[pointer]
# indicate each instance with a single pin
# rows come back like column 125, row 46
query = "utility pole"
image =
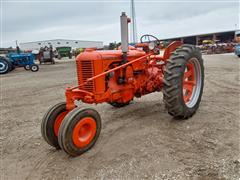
column 133, row 24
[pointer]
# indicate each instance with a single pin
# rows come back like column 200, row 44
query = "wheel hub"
column 192, row 82
column 2, row 66
column 84, row 132
column 34, row 68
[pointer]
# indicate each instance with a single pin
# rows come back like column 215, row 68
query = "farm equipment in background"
column 237, row 46
column 64, row 52
column 208, row 46
column 13, row 60
column 237, row 50
column 46, row 55
column 116, row 77
column 77, row 51
column 25, row 60
column 216, row 47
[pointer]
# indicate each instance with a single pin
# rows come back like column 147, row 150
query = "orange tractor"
column 116, row 77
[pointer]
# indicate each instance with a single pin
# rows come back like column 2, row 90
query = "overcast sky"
column 99, row 20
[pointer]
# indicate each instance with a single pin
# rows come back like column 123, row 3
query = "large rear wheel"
column 5, row 65
column 79, row 131
column 183, row 82
column 51, row 123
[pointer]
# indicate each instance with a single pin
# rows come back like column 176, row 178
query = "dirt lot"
column 140, row 141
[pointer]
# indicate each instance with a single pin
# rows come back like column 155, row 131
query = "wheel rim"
column 34, row 68
column 84, row 132
column 58, row 122
column 3, row 66
column 192, row 82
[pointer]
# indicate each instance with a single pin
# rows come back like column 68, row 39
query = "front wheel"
column 34, row 68
column 27, row 67
column 51, row 123
column 79, row 131
column 183, row 82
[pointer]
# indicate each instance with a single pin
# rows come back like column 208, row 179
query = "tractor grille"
column 85, row 71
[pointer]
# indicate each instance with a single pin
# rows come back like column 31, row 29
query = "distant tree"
column 118, row 44
column 113, row 45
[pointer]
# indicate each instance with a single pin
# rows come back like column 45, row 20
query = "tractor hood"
column 90, row 54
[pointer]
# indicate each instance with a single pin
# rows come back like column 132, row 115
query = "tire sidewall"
column 67, row 126
column 48, row 122
column 34, row 66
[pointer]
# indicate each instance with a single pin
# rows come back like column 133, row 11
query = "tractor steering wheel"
column 148, row 36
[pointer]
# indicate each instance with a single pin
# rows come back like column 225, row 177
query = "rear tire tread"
column 173, row 74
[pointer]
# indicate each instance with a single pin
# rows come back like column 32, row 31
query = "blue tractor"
column 237, row 39
column 237, row 50
column 18, row 59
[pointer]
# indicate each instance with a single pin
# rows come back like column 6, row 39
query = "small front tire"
column 51, row 123
column 79, row 131
column 34, row 68
column 27, row 67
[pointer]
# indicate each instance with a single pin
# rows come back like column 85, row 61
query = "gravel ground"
column 140, row 141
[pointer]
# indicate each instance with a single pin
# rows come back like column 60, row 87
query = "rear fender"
column 170, row 48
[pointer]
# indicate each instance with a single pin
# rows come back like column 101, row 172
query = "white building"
column 60, row 43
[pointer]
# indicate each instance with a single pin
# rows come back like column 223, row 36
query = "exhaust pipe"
column 124, row 44
column 124, row 32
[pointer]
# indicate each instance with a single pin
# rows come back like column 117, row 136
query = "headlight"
column 151, row 45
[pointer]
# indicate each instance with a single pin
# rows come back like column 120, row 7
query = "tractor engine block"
column 122, row 85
